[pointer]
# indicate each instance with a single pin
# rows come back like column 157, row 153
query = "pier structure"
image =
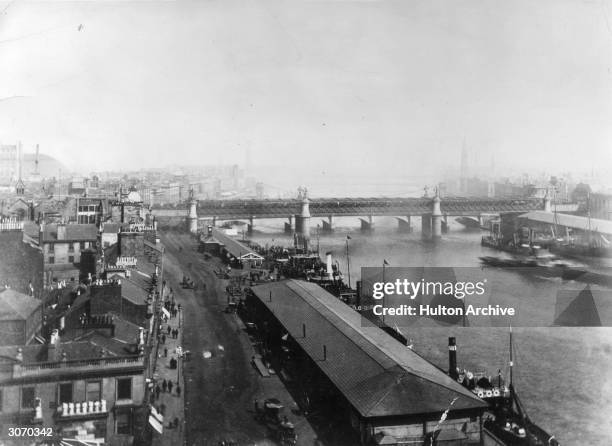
column 433, row 211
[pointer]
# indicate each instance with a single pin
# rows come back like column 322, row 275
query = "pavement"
column 222, row 386
column 171, row 403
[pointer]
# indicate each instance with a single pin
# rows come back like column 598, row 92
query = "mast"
column 511, row 361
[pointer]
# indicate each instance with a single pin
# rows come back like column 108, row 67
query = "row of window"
column 51, row 260
column 88, row 208
column 65, row 393
column 71, row 246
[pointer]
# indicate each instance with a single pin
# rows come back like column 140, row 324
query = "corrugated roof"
column 15, row 305
column 377, row 374
column 571, row 221
column 233, row 246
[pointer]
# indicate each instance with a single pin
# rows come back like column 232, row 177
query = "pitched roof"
column 15, row 305
column 131, row 290
column 234, row 247
column 378, row 375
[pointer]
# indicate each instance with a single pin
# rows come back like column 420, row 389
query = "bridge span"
column 364, row 208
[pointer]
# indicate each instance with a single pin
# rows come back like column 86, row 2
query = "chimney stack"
column 452, row 358
column 52, row 352
column 61, row 231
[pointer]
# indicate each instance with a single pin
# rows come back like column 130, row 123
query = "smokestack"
column 452, row 358
column 304, row 330
column 330, row 270
column 325, row 353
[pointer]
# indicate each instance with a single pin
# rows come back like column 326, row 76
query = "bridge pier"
column 436, row 219
column 367, row 225
column 445, row 227
column 289, row 226
column 250, row 226
column 426, row 226
column 404, row 225
column 302, row 222
column 327, row 226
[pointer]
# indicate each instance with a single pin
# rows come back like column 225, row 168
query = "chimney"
column 452, row 358
column 41, row 232
column 61, row 231
column 53, row 347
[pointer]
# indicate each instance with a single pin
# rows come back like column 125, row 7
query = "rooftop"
column 76, row 232
column 571, row 221
column 233, row 246
column 378, row 375
column 15, row 305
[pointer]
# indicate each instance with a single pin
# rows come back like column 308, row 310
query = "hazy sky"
column 356, row 84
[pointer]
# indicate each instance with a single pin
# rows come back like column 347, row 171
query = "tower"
column 192, row 217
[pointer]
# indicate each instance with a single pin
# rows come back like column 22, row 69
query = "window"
column 124, row 423
column 124, row 388
column 70, row 259
column 82, row 245
column 93, row 391
column 51, row 247
column 64, row 393
column 70, row 247
column 51, row 259
column 27, row 398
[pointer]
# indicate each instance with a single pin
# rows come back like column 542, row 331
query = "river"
column 562, row 374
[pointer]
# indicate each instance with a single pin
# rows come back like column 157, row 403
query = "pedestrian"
column 165, row 352
column 168, row 330
column 178, row 389
column 157, row 391
column 256, row 404
column 163, row 339
column 170, row 385
column 165, row 385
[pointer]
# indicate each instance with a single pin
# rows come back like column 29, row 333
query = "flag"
column 385, row 263
column 156, row 420
column 165, row 312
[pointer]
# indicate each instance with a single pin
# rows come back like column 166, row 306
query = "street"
column 220, row 390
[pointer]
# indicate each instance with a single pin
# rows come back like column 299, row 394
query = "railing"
column 78, row 409
column 92, row 364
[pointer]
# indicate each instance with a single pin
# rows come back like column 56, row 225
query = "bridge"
column 364, row 208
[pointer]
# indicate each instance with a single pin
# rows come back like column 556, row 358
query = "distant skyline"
column 379, row 87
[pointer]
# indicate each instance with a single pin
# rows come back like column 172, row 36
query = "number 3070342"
column 30, row 431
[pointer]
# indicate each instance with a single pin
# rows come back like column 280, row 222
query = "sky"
column 380, row 87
